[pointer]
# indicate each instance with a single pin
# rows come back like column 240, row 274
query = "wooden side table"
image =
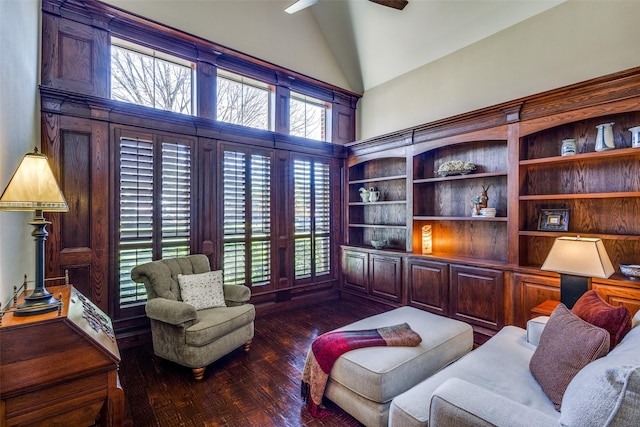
column 544, row 308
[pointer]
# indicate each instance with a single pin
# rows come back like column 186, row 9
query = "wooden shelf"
column 377, row 179
column 460, row 218
column 619, row 194
column 621, row 152
column 378, row 226
column 458, row 177
column 555, row 234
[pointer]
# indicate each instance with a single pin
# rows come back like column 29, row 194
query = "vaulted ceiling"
column 374, row 44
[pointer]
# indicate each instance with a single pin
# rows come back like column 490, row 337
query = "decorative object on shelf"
column 553, row 220
column 374, row 195
column 33, row 187
column 455, row 167
column 632, row 271
column 635, row 136
column 380, row 244
column 480, row 202
column 569, row 147
column 364, row 194
column 577, row 260
column 488, row 212
column 427, row 239
column 604, row 138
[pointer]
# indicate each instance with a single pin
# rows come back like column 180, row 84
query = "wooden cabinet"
column 386, row 217
column 428, row 285
column 60, row 368
column 477, row 296
column 371, row 273
column 530, row 290
column 622, row 294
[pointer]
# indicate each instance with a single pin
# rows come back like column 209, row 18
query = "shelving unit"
column 385, row 218
column 601, row 190
column 445, row 202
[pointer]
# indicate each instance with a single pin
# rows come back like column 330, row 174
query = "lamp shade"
column 33, row 187
column 579, row 257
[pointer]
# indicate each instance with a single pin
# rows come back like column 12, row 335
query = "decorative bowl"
column 455, row 167
column 630, row 270
column 379, row 244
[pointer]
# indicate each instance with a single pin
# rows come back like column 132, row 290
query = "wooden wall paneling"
column 79, row 242
column 385, row 276
column 282, row 240
column 282, row 105
column 207, row 201
column 428, row 285
column 343, row 120
column 619, row 295
column 477, row 296
column 75, row 56
column 207, row 90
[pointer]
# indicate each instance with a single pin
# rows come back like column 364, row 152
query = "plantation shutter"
column 302, row 214
column 176, row 199
column 322, row 217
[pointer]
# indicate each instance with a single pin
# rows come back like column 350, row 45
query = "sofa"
column 494, row 385
column 189, row 328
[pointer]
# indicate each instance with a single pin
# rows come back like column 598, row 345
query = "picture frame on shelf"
column 553, row 220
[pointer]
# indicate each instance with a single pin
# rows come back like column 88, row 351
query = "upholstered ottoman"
column 364, row 381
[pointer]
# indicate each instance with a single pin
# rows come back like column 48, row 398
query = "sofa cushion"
column 214, row 323
column 202, row 290
column 607, row 391
column 567, row 344
column 593, row 309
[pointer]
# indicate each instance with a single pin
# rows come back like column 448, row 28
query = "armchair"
column 184, row 335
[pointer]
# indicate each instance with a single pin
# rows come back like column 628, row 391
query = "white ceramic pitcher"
column 604, row 138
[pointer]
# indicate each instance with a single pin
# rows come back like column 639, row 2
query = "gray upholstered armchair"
column 184, row 335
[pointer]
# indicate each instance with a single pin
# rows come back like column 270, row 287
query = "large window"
column 145, row 77
column 246, row 211
column 312, row 211
column 155, row 207
column 243, row 101
column 308, row 117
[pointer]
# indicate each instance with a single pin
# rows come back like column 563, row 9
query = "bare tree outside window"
column 242, row 104
column 307, row 119
column 147, row 80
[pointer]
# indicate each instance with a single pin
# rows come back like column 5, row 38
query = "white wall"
column 572, row 42
column 253, row 27
column 19, row 130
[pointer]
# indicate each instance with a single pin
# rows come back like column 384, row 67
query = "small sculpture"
column 480, row 201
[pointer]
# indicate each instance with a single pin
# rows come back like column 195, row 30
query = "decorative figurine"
column 480, row 201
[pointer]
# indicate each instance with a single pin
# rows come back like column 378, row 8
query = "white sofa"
column 493, row 385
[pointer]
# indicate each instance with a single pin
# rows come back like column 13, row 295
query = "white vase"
column 604, row 138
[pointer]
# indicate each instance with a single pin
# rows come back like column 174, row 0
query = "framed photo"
column 553, row 220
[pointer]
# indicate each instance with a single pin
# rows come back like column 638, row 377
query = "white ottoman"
column 364, row 381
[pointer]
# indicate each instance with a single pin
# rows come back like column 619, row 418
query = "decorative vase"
column 364, row 194
column 569, row 147
column 374, row 195
column 635, row 136
column 604, row 138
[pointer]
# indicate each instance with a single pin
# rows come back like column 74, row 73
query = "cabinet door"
column 617, row 295
column 477, row 296
column 531, row 290
column 355, row 270
column 428, row 285
column 386, row 276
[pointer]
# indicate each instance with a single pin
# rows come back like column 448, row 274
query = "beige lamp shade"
column 579, row 256
column 33, row 187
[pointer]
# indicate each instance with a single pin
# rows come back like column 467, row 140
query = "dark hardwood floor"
column 259, row 388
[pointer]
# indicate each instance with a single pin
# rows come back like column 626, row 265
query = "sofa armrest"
column 172, row 312
column 460, row 403
column 236, row 294
column 534, row 329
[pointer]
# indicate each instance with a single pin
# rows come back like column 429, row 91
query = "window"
column 312, row 211
column 145, row 77
column 243, row 101
column 246, row 182
column 308, row 117
column 155, row 207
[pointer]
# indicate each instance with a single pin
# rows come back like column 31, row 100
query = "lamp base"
column 572, row 288
column 37, row 303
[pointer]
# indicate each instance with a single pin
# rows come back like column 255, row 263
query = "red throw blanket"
column 326, row 349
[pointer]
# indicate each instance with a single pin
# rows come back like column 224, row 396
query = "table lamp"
column 577, row 259
column 34, row 188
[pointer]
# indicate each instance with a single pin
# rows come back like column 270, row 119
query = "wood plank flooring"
column 259, row 388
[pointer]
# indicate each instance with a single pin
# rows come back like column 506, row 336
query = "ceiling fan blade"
column 299, row 5
column 396, row 4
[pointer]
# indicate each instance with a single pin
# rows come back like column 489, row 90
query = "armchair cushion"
column 202, row 290
column 567, row 344
column 214, row 323
column 171, row 312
